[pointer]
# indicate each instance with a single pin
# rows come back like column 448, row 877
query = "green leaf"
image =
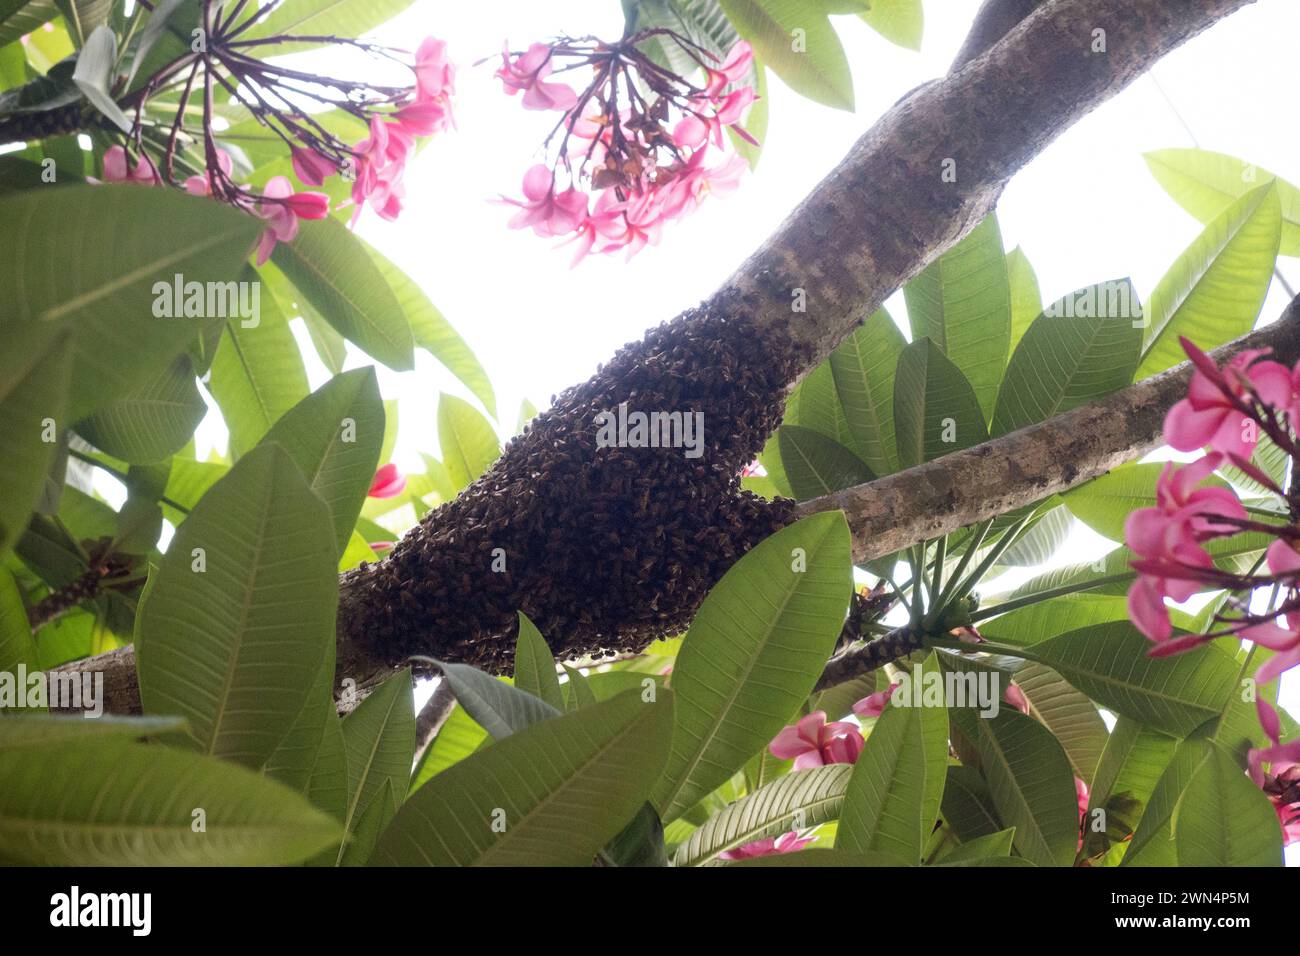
column 173, row 40
column 153, row 30
column 348, row 18
column 24, row 16
column 577, row 689
column 962, row 302
column 550, row 795
column 1153, row 843
column 369, row 826
column 45, row 730
column 527, row 412
column 1205, row 183
column 297, row 757
column 469, row 443
column 1131, row 764
column 16, row 643
column 151, row 421
column 257, row 375
column 1105, row 503
column 1071, row 356
column 459, row 737
column 379, row 739
column 982, row 848
column 795, row 38
column 935, row 408
column 1214, row 290
column 968, row 805
column 897, row 786
column 51, row 91
column 433, row 333
column 110, row 802
column 82, row 17
column 797, row 800
column 1224, row 820
column 1026, row 300
column 263, row 146
column 34, row 384
column 816, row 465
column 815, row 404
column 1113, row 573
column 898, row 21
column 640, row 843
column 106, row 292
column 340, row 280
column 327, row 787
column 333, row 436
column 94, row 76
column 863, row 368
column 753, row 653
column 260, row 615
column 1109, row 663
column 1070, row 716
column 496, row 706
column 1041, row 539
column 534, row 665
column 1030, row 783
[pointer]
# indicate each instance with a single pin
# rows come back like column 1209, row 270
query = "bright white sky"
column 1085, row 210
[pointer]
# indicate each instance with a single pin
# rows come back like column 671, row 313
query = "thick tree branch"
column 1026, row 466
column 888, row 210
column 995, row 19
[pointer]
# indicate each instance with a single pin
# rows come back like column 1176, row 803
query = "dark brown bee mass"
column 605, row 548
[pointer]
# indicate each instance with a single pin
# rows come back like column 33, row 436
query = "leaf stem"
column 1038, row 597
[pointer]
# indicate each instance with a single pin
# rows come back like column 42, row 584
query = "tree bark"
column 1028, row 465
column 888, row 209
column 885, row 213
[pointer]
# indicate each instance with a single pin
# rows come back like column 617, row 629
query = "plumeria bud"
column 873, row 705
column 309, row 205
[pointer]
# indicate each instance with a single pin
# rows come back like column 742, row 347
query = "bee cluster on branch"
column 605, row 548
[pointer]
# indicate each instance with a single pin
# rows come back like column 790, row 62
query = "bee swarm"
column 605, row 549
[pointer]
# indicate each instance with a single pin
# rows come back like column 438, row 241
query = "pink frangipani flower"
column 812, row 742
column 1170, row 534
column 282, row 208
column 786, row 843
column 528, row 73
column 545, row 211
column 118, row 168
column 387, row 483
column 1208, row 415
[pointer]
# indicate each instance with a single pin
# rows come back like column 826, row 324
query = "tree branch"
column 1026, row 466
column 995, row 19
column 887, row 210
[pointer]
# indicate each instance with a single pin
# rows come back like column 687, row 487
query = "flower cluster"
column 273, row 95
column 636, row 145
column 1226, row 411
